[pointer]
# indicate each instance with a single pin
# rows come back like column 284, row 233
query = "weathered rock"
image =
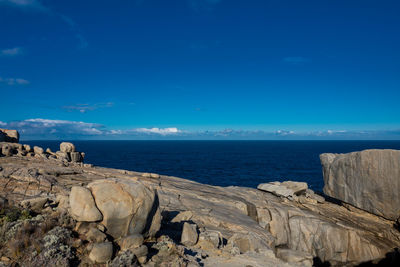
column 101, row 252
column 131, row 241
column 38, row 150
column 11, row 136
column 27, row 148
column 6, row 149
column 140, row 251
column 67, row 147
column 210, row 238
column 63, row 156
column 48, row 150
column 35, row 204
column 276, row 189
column 297, row 187
column 95, row 235
column 295, row 256
column 368, row 180
column 76, row 157
column 189, row 235
column 125, row 259
column 127, row 206
column 83, row 207
column 246, row 243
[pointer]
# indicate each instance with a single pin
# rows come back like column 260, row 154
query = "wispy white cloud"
column 63, row 129
column 296, row 60
column 13, row 81
column 11, row 52
column 161, row 131
column 83, row 108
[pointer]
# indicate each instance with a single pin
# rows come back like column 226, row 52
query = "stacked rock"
column 126, row 211
column 67, row 152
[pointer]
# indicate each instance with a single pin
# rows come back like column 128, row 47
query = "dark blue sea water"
column 223, row 163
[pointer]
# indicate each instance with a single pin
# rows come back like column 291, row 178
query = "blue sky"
column 200, row 69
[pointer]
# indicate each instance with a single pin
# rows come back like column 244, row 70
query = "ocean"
column 222, row 163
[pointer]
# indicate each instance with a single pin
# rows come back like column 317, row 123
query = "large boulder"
column 11, row 136
column 128, row 207
column 369, row 180
column 83, row 207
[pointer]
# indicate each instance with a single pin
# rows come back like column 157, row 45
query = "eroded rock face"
column 369, row 180
column 128, row 207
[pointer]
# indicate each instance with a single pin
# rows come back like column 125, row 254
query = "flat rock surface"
column 246, row 218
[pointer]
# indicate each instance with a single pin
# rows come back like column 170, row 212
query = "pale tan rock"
column 140, row 251
column 67, row 147
column 38, row 150
column 63, row 156
column 131, row 241
column 83, row 207
column 101, row 252
column 95, row 235
column 126, row 206
column 295, row 256
column 368, row 180
column 210, row 238
column 11, row 136
column 27, row 148
column 189, row 235
column 35, row 204
column 297, row 187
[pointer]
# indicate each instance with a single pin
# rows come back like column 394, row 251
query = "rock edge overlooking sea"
column 58, row 211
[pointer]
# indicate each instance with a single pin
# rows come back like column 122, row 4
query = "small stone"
column 214, row 238
column 154, row 175
column 27, row 148
column 101, row 252
column 140, row 251
column 95, row 235
column 146, row 174
column 189, row 234
column 131, row 241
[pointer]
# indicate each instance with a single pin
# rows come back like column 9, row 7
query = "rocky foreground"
column 60, row 212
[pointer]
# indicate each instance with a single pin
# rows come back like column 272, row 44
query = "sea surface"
column 222, row 163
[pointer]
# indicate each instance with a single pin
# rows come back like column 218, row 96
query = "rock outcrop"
column 369, row 180
column 11, row 136
column 91, row 215
column 68, row 154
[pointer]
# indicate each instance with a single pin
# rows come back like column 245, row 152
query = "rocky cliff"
column 59, row 212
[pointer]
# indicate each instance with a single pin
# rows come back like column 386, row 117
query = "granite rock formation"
column 369, row 180
column 11, row 136
column 154, row 220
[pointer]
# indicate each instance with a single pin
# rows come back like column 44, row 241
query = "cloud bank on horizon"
column 46, row 129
